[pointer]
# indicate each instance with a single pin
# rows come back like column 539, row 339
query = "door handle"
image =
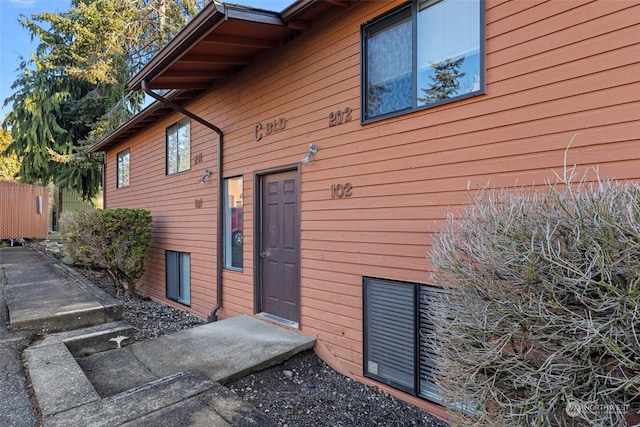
column 262, row 254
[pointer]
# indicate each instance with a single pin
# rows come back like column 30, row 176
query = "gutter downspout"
column 213, row 316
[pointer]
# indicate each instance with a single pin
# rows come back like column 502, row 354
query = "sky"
column 15, row 40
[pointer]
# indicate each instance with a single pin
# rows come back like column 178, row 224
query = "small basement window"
column 399, row 336
column 178, row 276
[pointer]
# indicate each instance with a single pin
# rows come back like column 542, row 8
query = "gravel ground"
column 303, row 391
column 148, row 318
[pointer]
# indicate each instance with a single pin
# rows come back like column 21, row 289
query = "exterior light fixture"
column 313, row 149
column 207, row 174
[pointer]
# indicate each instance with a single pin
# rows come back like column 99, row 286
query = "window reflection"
column 233, row 232
column 422, row 54
column 123, row 168
column 179, row 147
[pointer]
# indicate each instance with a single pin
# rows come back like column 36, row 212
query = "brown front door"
column 279, row 248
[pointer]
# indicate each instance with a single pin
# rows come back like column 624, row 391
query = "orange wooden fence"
column 23, row 210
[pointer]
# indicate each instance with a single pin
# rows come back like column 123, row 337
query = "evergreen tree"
column 73, row 89
column 445, row 81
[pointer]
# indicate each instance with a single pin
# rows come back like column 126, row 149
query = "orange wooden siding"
column 556, row 73
column 23, row 210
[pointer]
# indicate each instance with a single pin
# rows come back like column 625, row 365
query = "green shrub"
column 117, row 240
column 541, row 319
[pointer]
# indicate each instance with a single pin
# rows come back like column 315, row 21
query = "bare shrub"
column 541, row 319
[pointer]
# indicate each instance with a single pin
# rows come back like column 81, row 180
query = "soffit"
column 150, row 114
column 219, row 42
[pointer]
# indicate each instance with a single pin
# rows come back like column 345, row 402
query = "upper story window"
column 424, row 53
column 123, row 168
column 179, row 147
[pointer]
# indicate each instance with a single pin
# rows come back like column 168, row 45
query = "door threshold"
column 278, row 319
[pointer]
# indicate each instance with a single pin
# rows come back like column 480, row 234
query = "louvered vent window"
column 428, row 344
column 399, row 336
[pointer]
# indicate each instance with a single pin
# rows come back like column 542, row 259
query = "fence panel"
column 23, row 210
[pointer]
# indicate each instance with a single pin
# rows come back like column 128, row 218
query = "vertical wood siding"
column 19, row 215
column 561, row 79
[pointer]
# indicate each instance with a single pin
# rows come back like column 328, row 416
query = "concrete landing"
column 42, row 295
column 224, row 351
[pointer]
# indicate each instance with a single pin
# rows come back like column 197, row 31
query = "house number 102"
column 338, row 191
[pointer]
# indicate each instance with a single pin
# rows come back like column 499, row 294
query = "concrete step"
column 186, row 398
column 94, row 339
column 59, row 382
column 114, row 371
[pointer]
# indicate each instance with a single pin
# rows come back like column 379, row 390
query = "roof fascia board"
column 292, row 11
column 202, row 24
column 206, row 21
column 147, row 111
column 253, row 15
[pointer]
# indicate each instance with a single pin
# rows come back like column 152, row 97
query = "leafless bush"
column 541, row 320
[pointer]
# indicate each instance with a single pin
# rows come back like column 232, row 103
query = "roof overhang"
column 220, row 41
column 138, row 122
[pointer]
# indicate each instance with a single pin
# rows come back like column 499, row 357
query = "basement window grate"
column 399, row 336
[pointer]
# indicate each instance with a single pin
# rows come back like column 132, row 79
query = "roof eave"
column 202, row 24
column 293, row 10
column 115, row 135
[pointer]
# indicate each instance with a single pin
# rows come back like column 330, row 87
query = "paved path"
column 173, row 380
column 42, row 294
column 16, row 409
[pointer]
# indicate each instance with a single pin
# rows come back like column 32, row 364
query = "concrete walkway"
column 93, row 373
column 43, row 295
